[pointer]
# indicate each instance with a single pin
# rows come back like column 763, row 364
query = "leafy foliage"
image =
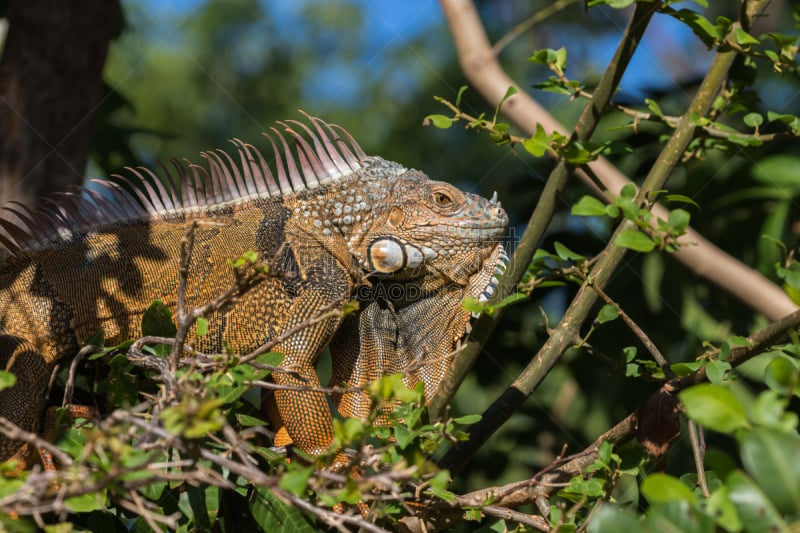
column 185, row 449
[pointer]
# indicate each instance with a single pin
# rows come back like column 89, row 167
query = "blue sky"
column 665, row 49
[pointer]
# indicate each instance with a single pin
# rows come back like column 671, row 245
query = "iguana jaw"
column 483, row 284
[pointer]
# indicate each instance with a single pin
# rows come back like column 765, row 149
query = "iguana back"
column 333, row 222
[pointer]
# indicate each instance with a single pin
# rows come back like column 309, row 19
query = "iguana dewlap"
column 337, row 224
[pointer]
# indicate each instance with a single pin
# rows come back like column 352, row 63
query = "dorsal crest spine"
column 322, row 153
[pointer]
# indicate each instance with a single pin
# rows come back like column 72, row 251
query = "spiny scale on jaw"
column 498, row 263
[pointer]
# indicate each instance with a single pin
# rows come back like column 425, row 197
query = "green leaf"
column 608, row 313
column 616, row 4
column 439, row 121
column 511, row 91
column 654, row 107
column 272, row 514
column 715, row 371
column 753, row 120
column 745, row 39
column 296, row 481
column 714, row 407
column 661, row 488
column 589, row 206
column 566, row 254
column 466, row 420
column 7, row 379
column 250, row 421
column 756, row 512
column 707, row 32
column 723, row 510
column 782, row 374
column 677, row 517
column 538, row 144
column 93, row 501
column 680, row 198
column 628, row 191
column 772, row 458
column 635, row 240
column 678, row 220
column 157, row 321
column 202, row 327
column 460, row 94
column 613, row 519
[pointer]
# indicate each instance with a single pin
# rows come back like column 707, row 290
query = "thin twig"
column 633, row 326
column 527, row 24
column 73, row 369
column 14, row 432
column 697, row 453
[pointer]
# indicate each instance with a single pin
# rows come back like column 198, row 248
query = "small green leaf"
column 202, row 327
column 466, row 420
column 7, row 379
column 460, row 94
column 157, row 321
column 628, row 191
column 654, row 107
column 511, row 91
column 85, row 503
column 678, row 220
column 439, row 121
column 589, row 206
column 608, row 313
column 630, row 353
column 680, row 198
column 714, row 407
column 715, row 371
column 635, row 240
column 349, row 307
column 754, row 120
column 616, row 4
column 296, row 481
column 538, row 144
column 566, row 254
column 744, row 38
column 663, row 488
column 98, row 338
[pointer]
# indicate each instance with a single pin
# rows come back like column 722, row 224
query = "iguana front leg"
column 304, row 414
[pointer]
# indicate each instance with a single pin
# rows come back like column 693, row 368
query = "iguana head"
column 419, row 226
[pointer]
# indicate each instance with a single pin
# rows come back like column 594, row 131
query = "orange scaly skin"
column 337, row 226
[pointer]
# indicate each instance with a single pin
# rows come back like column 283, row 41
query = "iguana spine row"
column 338, row 224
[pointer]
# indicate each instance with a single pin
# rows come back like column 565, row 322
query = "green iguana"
column 338, row 224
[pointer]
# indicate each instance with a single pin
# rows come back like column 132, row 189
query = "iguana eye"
column 442, row 200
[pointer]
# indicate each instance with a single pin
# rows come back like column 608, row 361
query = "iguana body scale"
column 336, row 224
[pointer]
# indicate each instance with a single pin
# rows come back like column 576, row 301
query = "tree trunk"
column 50, row 80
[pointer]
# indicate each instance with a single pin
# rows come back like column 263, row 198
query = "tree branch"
column 546, row 206
column 482, row 69
column 606, row 263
